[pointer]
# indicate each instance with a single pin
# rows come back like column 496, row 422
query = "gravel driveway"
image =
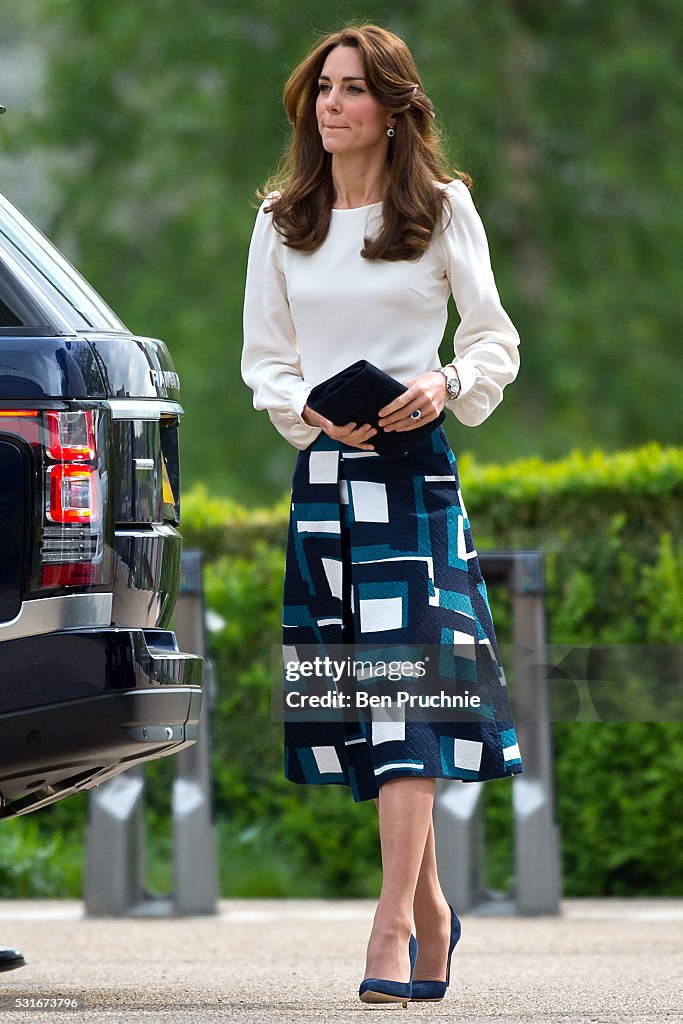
column 604, row 961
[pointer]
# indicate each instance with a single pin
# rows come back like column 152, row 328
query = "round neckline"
column 355, row 209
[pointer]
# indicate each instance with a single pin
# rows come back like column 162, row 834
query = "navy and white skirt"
column 380, row 556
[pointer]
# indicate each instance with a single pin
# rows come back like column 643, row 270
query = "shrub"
column 609, row 528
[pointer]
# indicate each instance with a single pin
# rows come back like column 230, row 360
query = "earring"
column 391, row 132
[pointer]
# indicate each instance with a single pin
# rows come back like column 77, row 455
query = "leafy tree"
column 162, row 118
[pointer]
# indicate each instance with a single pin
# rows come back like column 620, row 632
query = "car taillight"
column 70, row 436
column 73, row 494
column 68, row 539
column 71, row 549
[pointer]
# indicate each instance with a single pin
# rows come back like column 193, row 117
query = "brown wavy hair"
column 413, row 203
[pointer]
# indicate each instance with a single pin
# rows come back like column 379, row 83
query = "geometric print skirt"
column 380, row 556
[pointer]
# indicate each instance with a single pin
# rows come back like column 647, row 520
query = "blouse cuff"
column 299, row 399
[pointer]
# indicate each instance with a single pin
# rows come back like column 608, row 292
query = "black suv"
column 91, row 679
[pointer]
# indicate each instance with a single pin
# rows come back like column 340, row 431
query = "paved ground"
column 601, row 962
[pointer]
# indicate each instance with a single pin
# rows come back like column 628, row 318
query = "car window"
column 18, row 312
column 53, row 274
column 8, row 318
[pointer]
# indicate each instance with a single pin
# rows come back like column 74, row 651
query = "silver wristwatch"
column 453, row 385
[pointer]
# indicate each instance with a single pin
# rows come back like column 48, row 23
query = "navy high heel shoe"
column 428, row 991
column 378, row 990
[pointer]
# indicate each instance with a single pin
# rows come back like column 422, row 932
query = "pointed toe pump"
column 378, row 990
column 432, row 991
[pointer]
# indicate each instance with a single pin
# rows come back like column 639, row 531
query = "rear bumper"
column 78, row 707
column 84, row 663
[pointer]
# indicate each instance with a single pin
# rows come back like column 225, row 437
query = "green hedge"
column 610, row 530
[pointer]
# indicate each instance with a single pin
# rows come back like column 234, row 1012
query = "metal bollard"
column 194, row 848
column 458, row 811
column 115, row 870
column 115, row 873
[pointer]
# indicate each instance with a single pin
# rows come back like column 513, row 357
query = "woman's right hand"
column 350, row 433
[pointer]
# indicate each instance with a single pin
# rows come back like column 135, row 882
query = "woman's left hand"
column 426, row 393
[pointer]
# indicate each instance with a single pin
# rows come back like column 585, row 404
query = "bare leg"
column 432, row 918
column 405, row 813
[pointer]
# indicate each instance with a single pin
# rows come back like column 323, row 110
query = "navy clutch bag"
column 356, row 394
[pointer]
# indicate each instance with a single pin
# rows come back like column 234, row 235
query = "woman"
column 354, row 255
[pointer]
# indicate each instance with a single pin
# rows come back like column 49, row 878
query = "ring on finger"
column 416, row 414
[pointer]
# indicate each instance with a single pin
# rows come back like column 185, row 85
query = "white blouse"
column 309, row 315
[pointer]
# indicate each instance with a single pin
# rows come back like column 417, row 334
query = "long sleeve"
column 486, row 342
column 271, row 364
